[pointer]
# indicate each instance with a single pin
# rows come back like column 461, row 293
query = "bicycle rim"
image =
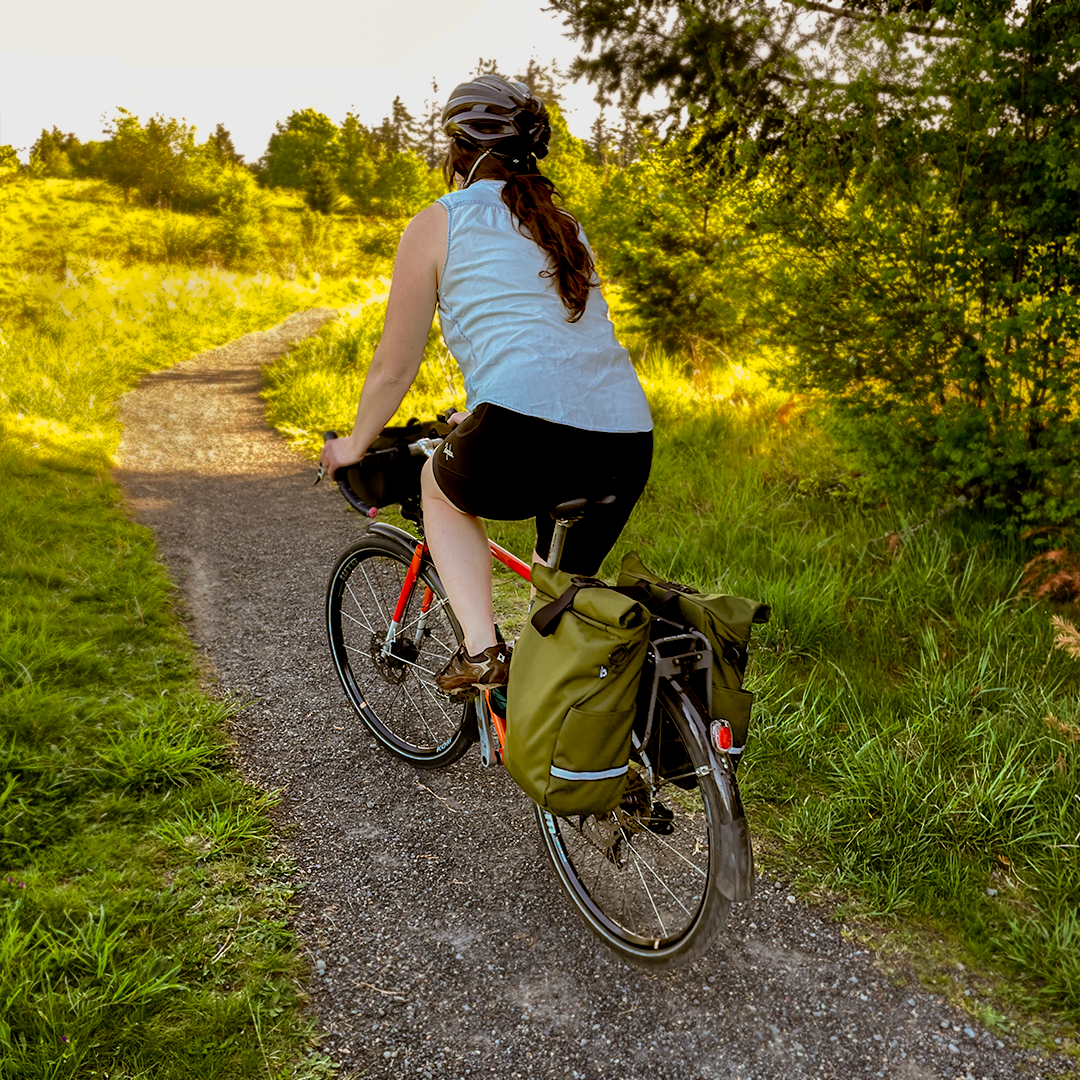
column 644, row 876
column 389, row 684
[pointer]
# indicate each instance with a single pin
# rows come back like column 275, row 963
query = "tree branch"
column 862, row 16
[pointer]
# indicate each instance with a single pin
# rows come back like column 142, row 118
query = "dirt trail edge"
column 439, row 945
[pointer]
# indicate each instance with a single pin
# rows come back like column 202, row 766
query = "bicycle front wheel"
column 644, row 876
column 387, row 669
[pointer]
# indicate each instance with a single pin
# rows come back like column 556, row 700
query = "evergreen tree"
column 544, row 80
column 399, row 130
column 49, row 156
column 322, row 192
column 432, row 144
column 220, row 146
column 357, row 173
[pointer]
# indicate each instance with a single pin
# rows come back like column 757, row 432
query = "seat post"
column 558, row 539
column 564, row 515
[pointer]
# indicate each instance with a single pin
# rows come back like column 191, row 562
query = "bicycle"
column 655, row 878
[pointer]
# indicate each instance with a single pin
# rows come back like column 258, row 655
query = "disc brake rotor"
column 395, row 667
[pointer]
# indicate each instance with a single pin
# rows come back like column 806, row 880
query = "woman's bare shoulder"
column 423, row 243
column 431, row 217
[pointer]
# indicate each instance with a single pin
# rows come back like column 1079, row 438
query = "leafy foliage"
column 305, row 138
column 936, row 258
column 321, row 192
column 153, row 159
column 672, row 235
column 914, row 181
column 49, row 156
column 379, row 170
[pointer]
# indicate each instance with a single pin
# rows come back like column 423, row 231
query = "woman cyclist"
column 555, row 408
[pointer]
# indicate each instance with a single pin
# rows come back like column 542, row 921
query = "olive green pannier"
column 572, row 695
column 726, row 622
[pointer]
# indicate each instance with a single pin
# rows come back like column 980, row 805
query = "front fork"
column 403, row 602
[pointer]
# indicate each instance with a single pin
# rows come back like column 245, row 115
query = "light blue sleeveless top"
column 507, row 328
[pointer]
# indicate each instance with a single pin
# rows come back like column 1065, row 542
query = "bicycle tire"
column 392, row 691
column 644, row 877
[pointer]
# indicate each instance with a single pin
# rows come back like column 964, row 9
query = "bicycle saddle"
column 575, row 509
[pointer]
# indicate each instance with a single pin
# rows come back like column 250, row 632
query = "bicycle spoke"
column 351, row 619
column 663, row 884
column 675, row 851
column 648, row 893
column 374, row 593
column 420, row 712
column 431, row 613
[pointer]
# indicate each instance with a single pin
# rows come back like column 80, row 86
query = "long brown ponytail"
column 530, row 198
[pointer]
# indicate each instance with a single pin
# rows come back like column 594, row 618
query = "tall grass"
column 54, row 225
column 317, row 385
column 141, row 916
column 916, row 743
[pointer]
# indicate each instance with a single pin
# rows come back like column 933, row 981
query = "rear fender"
column 735, row 871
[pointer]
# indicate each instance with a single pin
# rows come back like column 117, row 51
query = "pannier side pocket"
column 587, row 737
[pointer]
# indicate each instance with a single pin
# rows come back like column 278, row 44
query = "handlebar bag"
column 725, row 621
column 381, row 479
column 571, row 698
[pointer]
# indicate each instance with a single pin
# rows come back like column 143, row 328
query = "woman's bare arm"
column 409, row 311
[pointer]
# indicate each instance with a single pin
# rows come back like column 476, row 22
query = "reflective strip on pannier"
column 606, row 774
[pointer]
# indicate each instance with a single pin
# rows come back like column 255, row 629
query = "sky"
column 248, row 65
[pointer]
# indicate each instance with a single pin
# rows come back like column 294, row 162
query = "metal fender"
column 735, row 875
column 392, row 532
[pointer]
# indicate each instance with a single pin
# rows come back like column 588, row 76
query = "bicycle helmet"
column 499, row 115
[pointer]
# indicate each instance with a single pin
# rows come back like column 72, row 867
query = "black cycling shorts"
column 503, row 465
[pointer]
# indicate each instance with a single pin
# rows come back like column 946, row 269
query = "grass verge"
column 142, row 906
column 141, row 914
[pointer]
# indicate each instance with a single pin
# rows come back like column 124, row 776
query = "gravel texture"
column 439, row 945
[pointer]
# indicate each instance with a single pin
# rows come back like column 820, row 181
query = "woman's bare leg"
column 460, row 549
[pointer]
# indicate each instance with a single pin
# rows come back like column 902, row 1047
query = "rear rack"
column 675, row 651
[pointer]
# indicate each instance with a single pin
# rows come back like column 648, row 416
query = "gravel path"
column 438, row 943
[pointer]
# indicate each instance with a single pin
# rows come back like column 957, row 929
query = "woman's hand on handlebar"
column 455, row 418
column 338, row 454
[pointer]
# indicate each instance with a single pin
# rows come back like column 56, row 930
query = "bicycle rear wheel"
column 644, row 876
column 388, row 680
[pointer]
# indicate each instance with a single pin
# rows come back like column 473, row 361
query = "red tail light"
column 721, row 735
